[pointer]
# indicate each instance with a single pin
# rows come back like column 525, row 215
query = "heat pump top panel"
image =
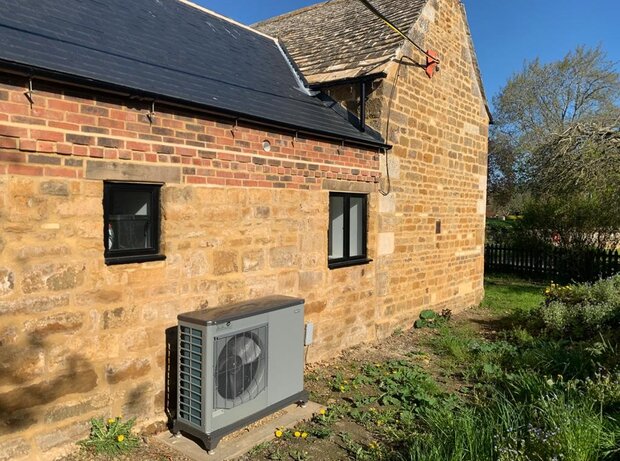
column 239, row 310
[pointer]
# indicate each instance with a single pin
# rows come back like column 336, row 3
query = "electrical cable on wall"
column 387, row 125
column 432, row 63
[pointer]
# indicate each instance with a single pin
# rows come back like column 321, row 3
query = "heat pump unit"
column 237, row 364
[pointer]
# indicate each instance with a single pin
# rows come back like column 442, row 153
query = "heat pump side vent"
column 191, row 375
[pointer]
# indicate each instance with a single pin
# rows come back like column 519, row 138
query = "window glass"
column 347, row 229
column 129, row 220
column 356, row 226
column 336, row 226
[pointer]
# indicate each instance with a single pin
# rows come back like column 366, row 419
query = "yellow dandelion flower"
column 322, row 411
column 111, row 420
column 279, row 433
column 297, row 434
column 380, row 422
column 120, row 438
column 304, row 435
column 373, row 445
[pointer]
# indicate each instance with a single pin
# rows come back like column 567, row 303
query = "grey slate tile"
column 169, row 49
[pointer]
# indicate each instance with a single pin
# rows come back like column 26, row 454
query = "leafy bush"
column 499, row 231
column 579, row 221
column 111, row 438
column 581, row 310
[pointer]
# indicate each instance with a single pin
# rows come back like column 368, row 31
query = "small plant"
column 339, row 383
column 321, row 432
column 276, row 454
column 111, row 438
column 257, row 449
column 431, row 319
column 299, row 455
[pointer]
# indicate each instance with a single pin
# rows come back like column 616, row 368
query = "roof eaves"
column 136, row 93
column 350, row 80
column 352, row 118
column 474, row 58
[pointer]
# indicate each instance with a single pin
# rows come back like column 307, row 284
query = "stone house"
column 156, row 158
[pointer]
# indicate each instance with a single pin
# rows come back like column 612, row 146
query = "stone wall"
column 435, row 175
column 431, row 224
column 79, row 338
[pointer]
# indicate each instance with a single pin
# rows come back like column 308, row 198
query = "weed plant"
column 112, row 437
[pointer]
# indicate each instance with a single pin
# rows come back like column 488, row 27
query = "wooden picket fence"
column 551, row 263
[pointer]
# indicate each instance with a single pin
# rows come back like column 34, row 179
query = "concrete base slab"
column 239, row 443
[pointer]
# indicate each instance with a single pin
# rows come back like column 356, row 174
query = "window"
column 347, row 229
column 131, row 222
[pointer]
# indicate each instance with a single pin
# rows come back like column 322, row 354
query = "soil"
column 410, row 344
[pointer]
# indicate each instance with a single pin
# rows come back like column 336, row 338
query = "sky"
column 507, row 33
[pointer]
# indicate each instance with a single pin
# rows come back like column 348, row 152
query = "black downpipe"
column 363, row 106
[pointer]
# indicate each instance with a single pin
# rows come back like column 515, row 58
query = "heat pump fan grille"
column 190, row 380
column 240, row 367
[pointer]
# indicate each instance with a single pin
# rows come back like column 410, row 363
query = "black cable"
column 387, row 126
column 377, row 13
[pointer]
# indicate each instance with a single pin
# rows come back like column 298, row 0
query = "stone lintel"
column 118, row 171
column 348, row 186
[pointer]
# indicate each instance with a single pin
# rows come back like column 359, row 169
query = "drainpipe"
column 363, row 105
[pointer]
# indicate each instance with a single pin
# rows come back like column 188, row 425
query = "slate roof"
column 171, row 50
column 341, row 39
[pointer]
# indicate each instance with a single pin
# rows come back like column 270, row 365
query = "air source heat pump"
column 237, row 364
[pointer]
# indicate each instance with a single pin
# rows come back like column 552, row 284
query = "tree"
column 584, row 158
column 545, row 99
column 557, row 136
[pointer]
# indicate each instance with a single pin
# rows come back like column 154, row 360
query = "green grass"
column 530, row 399
column 509, row 295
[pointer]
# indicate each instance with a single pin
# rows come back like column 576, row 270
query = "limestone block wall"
column 433, row 218
column 431, row 211
column 79, row 338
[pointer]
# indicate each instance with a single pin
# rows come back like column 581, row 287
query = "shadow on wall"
column 20, row 365
column 170, row 397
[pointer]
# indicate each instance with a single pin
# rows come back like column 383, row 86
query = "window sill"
column 115, row 260
column 349, row 262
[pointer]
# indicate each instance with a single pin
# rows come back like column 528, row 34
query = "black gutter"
column 132, row 93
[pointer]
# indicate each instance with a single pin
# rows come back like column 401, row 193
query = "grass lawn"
column 509, row 295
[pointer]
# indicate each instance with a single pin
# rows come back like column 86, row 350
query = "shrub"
column 581, row 310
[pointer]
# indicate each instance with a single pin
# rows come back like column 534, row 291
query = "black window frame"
column 137, row 255
column 348, row 260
